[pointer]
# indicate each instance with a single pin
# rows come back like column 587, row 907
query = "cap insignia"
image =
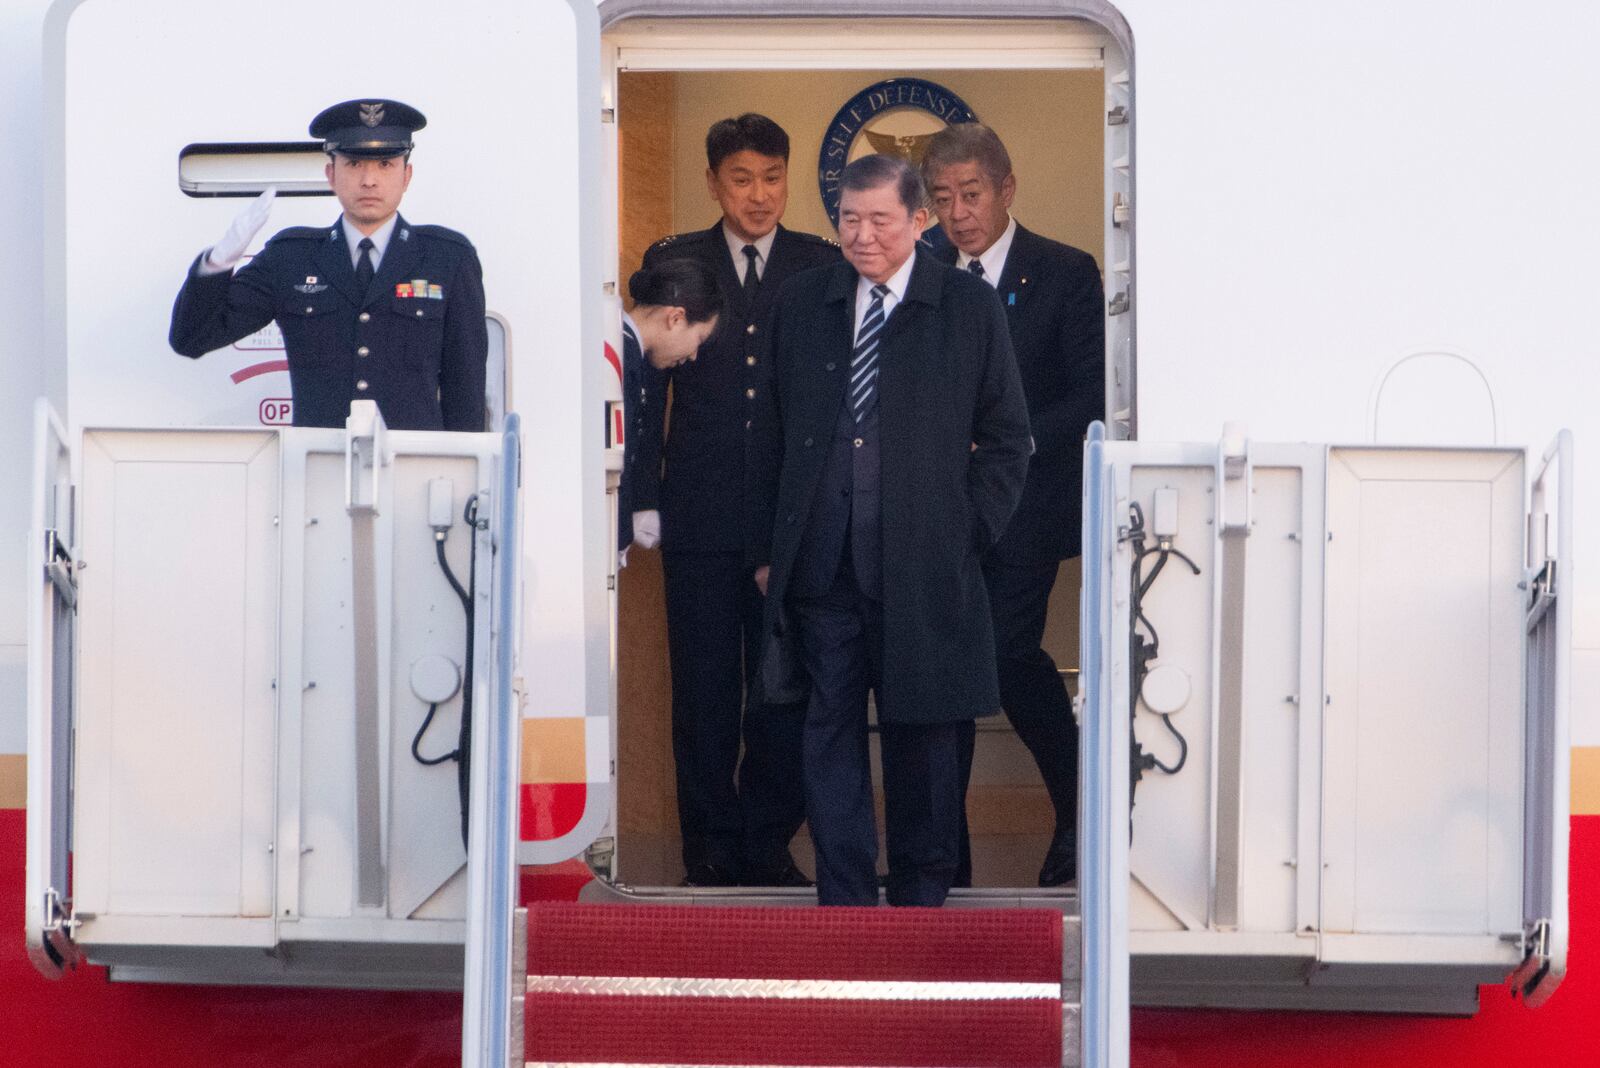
column 372, row 114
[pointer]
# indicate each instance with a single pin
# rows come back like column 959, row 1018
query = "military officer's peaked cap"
column 368, row 129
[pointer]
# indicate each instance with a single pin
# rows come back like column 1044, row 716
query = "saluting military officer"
column 371, row 307
column 730, row 834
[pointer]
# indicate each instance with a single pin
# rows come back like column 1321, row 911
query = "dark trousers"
column 841, row 641
column 1031, row 692
column 713, row 633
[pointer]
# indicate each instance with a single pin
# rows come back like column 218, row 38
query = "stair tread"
column 917, row 945
column 573, row 1028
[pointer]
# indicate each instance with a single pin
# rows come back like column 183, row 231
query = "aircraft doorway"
column 1052, row 116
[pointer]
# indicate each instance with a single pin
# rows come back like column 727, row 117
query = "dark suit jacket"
column 424, row 357
column 1056, row 310
column 700, row 490
column 947, row 381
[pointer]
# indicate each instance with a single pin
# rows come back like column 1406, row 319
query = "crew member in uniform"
column 731, row 833
column 372, row 307
column 1055, row 310
column 887, row 460
column 676, row 304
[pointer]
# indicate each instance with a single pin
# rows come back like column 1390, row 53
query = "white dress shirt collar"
column 897, row 284
column 380, row 239
column 736, row 246
column 993, row 258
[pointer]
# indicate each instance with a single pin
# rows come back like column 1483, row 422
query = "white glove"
column 647, row 529
column 230, row 247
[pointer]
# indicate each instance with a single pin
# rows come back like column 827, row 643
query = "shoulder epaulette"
column 815, row 239
column 688, row 238
column 300, row 233
column 444, row 233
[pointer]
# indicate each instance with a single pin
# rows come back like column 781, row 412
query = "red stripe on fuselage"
column 551, row 809
column 86, row 1022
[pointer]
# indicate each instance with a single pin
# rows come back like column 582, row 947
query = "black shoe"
column 785, row 874
column 709, row 875
column 1060, row 862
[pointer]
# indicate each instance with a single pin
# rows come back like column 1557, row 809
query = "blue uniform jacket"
column 641, row 388
column 420, row 356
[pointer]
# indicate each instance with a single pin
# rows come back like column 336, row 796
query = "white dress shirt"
column 736, row 246
column 993, row 258
column 897, row 291
column 380, row 240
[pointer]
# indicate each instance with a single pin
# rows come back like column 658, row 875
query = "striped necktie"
column 864, row 361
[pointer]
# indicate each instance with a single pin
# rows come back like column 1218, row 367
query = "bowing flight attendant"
column 676, row 307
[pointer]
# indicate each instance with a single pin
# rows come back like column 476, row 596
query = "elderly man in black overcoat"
column 889, row 457
column 1055, row 308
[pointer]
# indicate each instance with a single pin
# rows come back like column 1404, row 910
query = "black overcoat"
column 1056, row 309
column 954, row 454
column 421, row 357
column 699, row 490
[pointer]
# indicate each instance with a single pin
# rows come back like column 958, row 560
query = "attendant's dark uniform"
column 1055, row 310
column 420, row 355
column 713, row 605
column 640, row 389
column 875, row 524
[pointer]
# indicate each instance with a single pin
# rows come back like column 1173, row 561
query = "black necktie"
column 975, row 267
column 364, row 270
column 864, row 361
column 751, row 278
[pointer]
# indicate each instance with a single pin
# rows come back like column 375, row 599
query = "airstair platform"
column 698, row 985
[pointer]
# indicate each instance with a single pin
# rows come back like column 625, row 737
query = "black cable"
column 439, row 537
column 444, row 565
column 1143, row 650
column 1183, row 750
column 469, row 515
column 416, row 742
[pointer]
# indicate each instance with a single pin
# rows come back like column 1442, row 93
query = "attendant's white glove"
column 647, row 529
column 229, row 248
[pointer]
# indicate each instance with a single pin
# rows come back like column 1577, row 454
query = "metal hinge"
column 1117, row 116
column 608, row 115
column 1119, row 304
column 59, row 916
column 59, row 567
column 1537, row 940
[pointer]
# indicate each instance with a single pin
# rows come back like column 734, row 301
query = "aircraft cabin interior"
column 1043, row 88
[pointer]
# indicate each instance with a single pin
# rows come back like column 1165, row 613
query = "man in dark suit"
column 730, row 833
column 888, row 457
column 371, row 308
column 1055, row 310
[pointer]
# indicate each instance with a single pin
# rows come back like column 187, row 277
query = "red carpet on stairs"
column 686, row 985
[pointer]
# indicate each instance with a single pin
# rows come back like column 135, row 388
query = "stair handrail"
column 492, row 825
column 1104, row 784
